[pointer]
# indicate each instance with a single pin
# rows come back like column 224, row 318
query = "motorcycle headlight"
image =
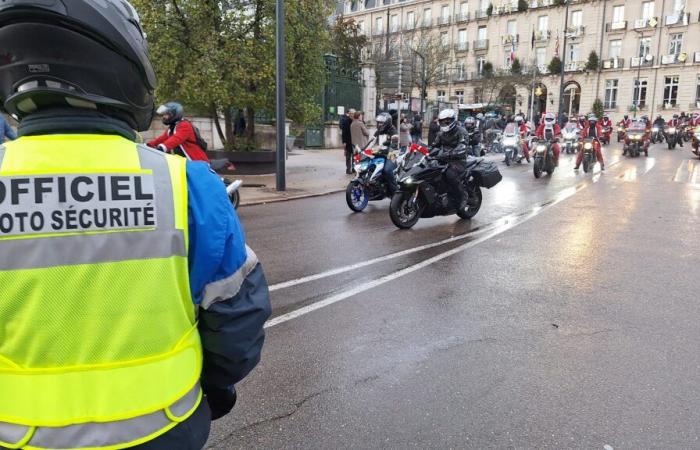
column 541, row 148
column 569, row 136
column 407, row 180
column 620, row 129
column 588, row 146
column 671, row 130
column 509, row 142
column 636, row 137
column 655, row 130
column 697, row 136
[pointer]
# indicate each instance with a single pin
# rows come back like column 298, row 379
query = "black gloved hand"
column 221, row 402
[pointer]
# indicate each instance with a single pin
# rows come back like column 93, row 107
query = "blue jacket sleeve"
column 8, row 131
column 227, row 283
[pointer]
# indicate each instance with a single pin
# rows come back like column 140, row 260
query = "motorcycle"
column 696, row 141
column 687, row 132
column 657, row 136
column 544, row 158
column 605, row 139
column 369, row 184
column 495, row 137
column 511, row 146
column 589, row 157
column 620, row 133
column 634, row 143
column 424, row 192
column 232, row 187
column 570, row 139
column 671, row 137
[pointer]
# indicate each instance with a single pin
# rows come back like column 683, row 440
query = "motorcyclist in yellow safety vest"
column 130, row 305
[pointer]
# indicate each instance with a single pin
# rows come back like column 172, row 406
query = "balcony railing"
column 481, row 14
column 669, row 105
column 462, row 46
column 677, row 58
column 409, row 26
column 475, row 75
column 444, row 20
column 614, row 63
column 426, row 23
column 481, row 44
column 462, row 17
column 509, row 39
column 616, row 26
column 542, row 35
column 677, row 19
column 543, row 69
column 534, row 4
column 376, row 32
column 646, row 23
column 696, row 57
column 576, row 31
column 574, row 66
column 636, row 60
column 460, row 77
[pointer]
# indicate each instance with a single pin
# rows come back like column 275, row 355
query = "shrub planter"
column 261, row 162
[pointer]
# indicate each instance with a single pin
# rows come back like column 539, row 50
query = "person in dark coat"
column 417, row 130
column 433, row 130
column 346, row 137
column 240, row 124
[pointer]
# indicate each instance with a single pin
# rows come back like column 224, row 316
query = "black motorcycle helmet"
column 80, row 53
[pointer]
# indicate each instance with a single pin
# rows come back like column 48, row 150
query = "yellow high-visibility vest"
column 99, row 346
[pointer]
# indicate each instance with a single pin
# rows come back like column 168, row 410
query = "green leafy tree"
column 489, row 10
column 522, row 5
column 554, row 66
column 598, row 108
column 593, row 61
column 347, row 42
column 213, row 55
column 516, row 68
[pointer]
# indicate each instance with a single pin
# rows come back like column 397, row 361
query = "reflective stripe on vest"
column 98, row 340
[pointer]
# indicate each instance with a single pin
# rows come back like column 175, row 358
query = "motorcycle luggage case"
column 487, row 174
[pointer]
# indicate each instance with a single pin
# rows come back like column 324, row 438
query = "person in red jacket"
column 179, row 138
column 550, row 130
column 593, row 130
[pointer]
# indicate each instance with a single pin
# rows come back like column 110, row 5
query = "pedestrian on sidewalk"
column 6, row 131
column 240, row 124
column 405, row 129
column 358, row 131
column 346, row 137
column 433, row 130
column 417, row 130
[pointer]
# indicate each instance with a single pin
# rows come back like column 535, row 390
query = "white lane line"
column 563, row 195
column 351, row 267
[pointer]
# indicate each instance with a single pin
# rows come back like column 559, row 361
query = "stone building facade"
column 649, row 50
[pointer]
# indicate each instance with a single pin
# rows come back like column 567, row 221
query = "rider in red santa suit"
column 550, row 130
column 593, row 130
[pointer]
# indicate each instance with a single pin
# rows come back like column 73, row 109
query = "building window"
column 427, row 17
column 394, row 23
column 615, row 48
column 444, row 39
column 541, row 56
column 410, row 20
column 441, row 96
column 675, row 44
column 543, row 24
column 361, row 26
column 387, row 2
column 379, row 27
column 644, row 46
column 640, row 93
column 572, row 53
column 610, row 94
column 671, row 90
column 647, row 10
column 678, row 6
column 462, row 36
column 480, row 61
column 577, row 18
column 445, row 13
column 507, row 62
column 461, row 71
column 481, row 33
column 464, row 9
column 697, row 91
column 484, row 5
column 618, row 14
column 460, row 96
column 512, row 28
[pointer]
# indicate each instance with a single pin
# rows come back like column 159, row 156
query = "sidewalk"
column 309, row 173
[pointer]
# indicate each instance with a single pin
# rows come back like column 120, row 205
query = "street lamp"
column 638, row 84
column 281, row 63
column 563, row 61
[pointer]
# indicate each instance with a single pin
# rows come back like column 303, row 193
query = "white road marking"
column 563, row 195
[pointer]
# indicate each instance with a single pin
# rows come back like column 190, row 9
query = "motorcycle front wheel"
column 235, row 199
column 403, row 213
column 508, row 152
column 537, row 167
column 356, row 196
column 586, row 164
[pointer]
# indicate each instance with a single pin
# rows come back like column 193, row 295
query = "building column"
column 369, row 91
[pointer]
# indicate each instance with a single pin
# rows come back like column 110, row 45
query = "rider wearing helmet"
column 550, row 130
column 474, row 135
column 386, row 128
column 180, row 137
column 133, row 306
column 595, row 131
column 452, row 144
column 523, row 130
column 676, row 123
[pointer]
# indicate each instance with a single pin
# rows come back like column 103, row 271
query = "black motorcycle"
column 544, row 158
column 589, row 158
column 424, row 192
column 672, row 137
column 657, row 135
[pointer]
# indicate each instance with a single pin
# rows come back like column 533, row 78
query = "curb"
column 295, row 197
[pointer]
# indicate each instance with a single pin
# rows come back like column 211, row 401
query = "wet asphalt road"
column 565, row 315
